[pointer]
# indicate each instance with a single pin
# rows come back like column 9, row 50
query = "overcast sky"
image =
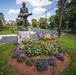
column 11, row 8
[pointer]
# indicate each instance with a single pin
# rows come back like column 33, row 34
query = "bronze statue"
column 24, row 14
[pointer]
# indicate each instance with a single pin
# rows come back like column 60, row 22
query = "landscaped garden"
column 39, row 56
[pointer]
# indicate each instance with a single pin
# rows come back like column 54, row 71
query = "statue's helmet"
column 24, row 4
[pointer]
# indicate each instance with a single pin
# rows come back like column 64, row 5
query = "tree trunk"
column 60, row 21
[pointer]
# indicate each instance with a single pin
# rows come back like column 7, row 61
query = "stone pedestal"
column 24, row 35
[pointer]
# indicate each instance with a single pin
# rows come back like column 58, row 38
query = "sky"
column 11, row 8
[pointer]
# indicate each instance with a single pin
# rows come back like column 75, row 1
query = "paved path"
column 8, row 38
column 13, row 37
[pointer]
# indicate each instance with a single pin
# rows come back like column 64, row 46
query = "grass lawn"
column 8, row 32
column 5, row 53
column 67, row 41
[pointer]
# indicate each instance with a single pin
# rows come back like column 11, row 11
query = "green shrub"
column 56, row 53
column 1, row 26
column 30, row 61
column 20, row 59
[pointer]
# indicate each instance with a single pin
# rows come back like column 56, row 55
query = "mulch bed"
column 51, row 40
column 23, row 69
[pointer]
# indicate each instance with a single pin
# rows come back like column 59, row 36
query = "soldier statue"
column 23, row 15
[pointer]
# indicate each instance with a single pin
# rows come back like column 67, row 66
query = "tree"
column 61, row 14
column 60, row 5
column 7, row 27
column 2, row 18
column 72, row 12
column 66, row 12
column 69, row 13
column 35, row 23
column 29, row 23
column 43, row 23
column 1, row 26
column 52, row 22
column 72, row 18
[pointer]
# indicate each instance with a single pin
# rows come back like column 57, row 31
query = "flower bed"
column 41, row 34
column 35, row 48
column 31, row 49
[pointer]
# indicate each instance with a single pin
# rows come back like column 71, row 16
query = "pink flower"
column 61, row 55
column 22, row 55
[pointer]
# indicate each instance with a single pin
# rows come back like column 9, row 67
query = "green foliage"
column 69, row 14
column 12, row 30
column 35, row 23
column 52, row 22
column 7, row 27
column 1, row 26
column 29, row 24
column 68, row 42
column 43, row 23
column 20, row 59
column 56, row 53
column 42, row 64
column 72, row 18
column 5, row 53
column 30, row 61
column 18, row 21
column 34, row 48
column 57, row 18
column 8, row 32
